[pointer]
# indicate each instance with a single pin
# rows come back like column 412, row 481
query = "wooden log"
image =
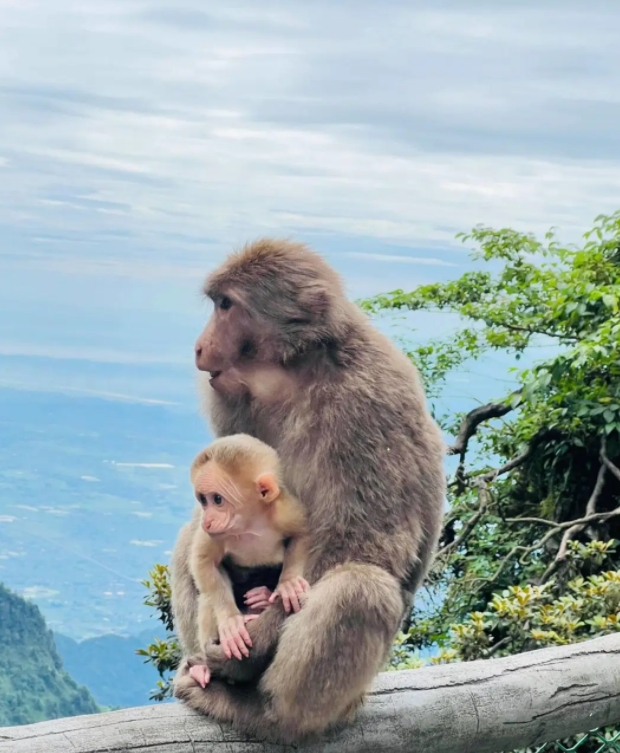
column 475, row 707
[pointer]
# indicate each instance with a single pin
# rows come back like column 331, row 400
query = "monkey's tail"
column 330, row 651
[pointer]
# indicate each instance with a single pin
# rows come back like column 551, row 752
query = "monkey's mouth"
column 214, row 375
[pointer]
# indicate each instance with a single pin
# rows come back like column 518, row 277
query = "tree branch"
column 534, row 331
column 507, row 703
column 473, row 419
column 510, row 465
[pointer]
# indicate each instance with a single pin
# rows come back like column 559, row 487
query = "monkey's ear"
column 267, row 487
column 315, row 299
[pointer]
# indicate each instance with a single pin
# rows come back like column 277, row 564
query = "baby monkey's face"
column 222, row 501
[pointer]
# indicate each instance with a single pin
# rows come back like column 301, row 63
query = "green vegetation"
column 528, row 554
column 527, row 557
column 33, row 683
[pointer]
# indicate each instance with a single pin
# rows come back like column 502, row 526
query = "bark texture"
column 476, row 707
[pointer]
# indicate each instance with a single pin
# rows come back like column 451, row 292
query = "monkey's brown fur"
column 297, row 365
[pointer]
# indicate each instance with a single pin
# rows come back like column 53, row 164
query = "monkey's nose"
column 197, row 354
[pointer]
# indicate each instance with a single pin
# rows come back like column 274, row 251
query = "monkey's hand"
column 290, row 590
column 234, row 638
column 257, row 599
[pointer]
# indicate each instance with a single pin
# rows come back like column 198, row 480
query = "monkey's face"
column 221, row 500
column 230, row 344
column 273, row 302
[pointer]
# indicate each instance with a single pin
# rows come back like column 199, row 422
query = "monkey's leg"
column 242, row 705
column 329, row 653
column 327, row 656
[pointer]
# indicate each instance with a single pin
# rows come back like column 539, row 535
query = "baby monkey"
column 247, row 519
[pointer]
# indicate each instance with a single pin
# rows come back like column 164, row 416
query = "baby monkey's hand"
column 234, row 638
column 289, row 590
column 257, row 599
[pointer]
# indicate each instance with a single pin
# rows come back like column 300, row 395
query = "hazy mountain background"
column 33, row 684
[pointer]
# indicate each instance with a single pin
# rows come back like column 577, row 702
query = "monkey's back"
column 361, row 451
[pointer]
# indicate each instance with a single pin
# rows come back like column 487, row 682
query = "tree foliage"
column 534, row 504
column 527, row 555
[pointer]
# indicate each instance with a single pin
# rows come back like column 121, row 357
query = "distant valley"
column 92, row 494
column 109, row 668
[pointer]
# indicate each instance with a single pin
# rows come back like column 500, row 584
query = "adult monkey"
column 294, row 363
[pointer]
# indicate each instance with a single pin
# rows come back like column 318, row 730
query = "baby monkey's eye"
column 202, row 499
column 217, row 499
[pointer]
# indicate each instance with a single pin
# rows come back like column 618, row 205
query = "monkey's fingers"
column 230, row 647
column 260, row 606
column 288, row 596
column 238, row 646
column 261, row 592
column 293, row 595
column 201, row 674
column 226, row 642
column 257, row 597
column 242, row 635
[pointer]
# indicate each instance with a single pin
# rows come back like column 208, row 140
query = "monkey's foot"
column 200, row 673
column 209, row 700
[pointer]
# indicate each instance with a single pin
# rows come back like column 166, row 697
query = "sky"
column 142, row 141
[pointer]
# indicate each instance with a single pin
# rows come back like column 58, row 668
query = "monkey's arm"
column 290, row 520
column 218, row 614
column 184, row 595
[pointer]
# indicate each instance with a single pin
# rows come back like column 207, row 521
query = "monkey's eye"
column 248, row 349
column 225, row 303
column 217, row 499
column 202, row 499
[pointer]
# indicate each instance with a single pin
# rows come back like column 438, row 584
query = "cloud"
column 39, row 592
column 224, row 123
column 86, row 353
column 138, row 542
column 422, row 261
column 7, row 518
column 142, row 465
column 139, row 143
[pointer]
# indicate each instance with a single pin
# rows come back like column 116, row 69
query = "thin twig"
column 608, row 464
column 509, row 466
column 571, row 532
column 496, row 647
column 598, row 517
column 534, row 331
column 483, row 504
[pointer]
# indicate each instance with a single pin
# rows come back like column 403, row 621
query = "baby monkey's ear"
column 267, row 487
